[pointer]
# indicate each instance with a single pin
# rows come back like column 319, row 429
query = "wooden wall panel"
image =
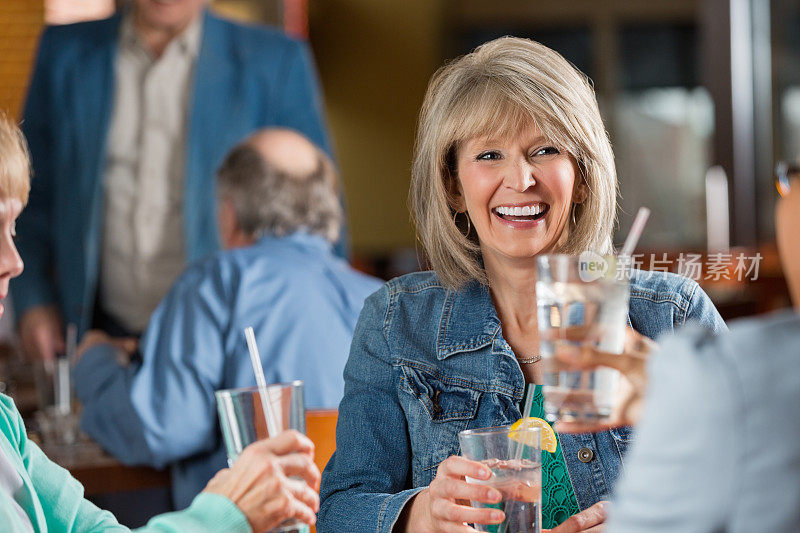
column 20, row 24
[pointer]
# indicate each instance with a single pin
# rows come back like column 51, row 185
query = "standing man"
column 127, row 118
column 279, row 215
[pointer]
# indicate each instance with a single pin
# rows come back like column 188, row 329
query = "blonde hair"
column 499, row 88
column 15, row 170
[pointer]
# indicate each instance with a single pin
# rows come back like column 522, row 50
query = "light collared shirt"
column 143, row 237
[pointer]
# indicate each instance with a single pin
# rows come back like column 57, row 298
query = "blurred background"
column 684, row 86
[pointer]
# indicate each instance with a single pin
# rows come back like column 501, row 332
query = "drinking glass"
column 58, row 419
column 515, row 458
column 246, row 414
column 580, row 300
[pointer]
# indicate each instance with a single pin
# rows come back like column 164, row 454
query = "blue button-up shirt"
column 428, row 362
column 303, row 303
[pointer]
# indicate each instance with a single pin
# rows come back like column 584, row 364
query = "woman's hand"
column 444, row 505
column 632, row 364
column 591, row 520
column 259, row 484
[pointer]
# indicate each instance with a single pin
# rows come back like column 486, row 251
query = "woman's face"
column 518, row 192
column 10, row 262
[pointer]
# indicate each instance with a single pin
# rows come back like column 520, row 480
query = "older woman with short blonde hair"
column 511, row 161
column 491, row 92
column 38, row 495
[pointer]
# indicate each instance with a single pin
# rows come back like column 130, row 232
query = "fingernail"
column 498, row 516
column 485, row 473
column 493, row 495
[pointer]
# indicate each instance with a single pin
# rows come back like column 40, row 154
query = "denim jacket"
column 427, row 362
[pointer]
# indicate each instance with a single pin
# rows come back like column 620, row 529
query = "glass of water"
column 580, row 300
column 246, row 414
column 515, row 458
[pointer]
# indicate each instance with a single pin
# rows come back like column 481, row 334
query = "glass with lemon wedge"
column 514, row 455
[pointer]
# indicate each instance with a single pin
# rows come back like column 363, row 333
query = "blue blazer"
column 246, row 77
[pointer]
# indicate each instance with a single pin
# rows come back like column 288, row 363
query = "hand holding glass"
column 515, row 460
column 258, row 484
column 579, row 307
column 244, row 414
column 631, row 363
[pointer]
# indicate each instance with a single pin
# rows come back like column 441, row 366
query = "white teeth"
column 528, row 210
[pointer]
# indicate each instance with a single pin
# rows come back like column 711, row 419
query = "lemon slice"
column 549, row 441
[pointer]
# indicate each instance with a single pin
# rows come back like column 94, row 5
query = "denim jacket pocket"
column 437, row 408
column 623, row 436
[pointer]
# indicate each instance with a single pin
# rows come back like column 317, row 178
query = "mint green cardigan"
column 54, row 500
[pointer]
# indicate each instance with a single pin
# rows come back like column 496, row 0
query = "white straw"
column 63, row 388
column 635, row 233
column 526, row 413
column 272, row 422
column 529, row 393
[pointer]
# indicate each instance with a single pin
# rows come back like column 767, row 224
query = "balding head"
column 286, row 151
column 278, row 182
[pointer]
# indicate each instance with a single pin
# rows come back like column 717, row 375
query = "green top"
column 558, row 497
column 53, row 500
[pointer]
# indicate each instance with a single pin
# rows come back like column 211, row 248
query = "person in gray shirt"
column 716, row 448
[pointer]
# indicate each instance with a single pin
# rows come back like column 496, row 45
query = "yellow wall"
column 20, row 24
column 375, row 58
column 248, row 10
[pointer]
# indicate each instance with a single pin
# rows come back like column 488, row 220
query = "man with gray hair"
column 278, row 217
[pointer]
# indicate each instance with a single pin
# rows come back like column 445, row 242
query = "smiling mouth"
column 526, row 213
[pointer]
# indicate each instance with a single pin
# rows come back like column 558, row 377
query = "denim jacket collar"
column 471, row 305
column 469, row 322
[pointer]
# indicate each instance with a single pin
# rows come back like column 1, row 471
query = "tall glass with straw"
column 59, row 423
column 583, row 300
column 254, row 413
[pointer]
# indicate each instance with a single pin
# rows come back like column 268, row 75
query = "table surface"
column 100, row 473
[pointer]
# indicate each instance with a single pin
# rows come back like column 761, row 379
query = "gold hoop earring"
column 469, row 224
column 574, row 206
